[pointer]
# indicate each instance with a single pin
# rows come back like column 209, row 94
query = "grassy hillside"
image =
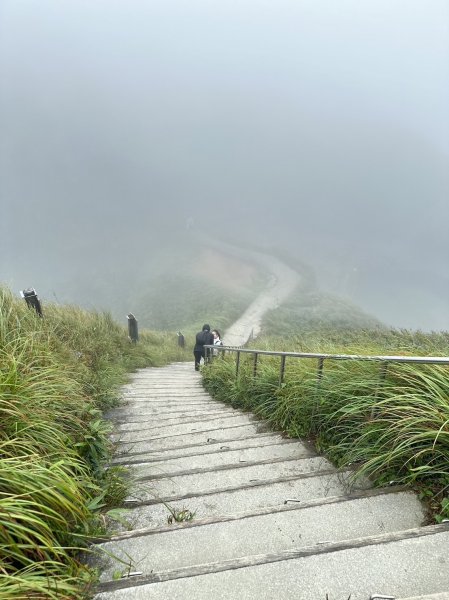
column 176, row 284
column 311, row 310
column 57, row 376
column 197, row 286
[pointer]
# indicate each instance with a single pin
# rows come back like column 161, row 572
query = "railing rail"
column 321, row 357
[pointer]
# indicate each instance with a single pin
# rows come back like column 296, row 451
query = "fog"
column 316, row 127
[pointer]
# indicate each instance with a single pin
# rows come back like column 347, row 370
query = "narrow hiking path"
column 281, row 284
column 270, row 518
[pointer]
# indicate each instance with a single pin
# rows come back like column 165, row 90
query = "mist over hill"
column 133, row 131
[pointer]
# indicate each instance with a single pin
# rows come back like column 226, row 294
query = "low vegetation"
column 180, row 290
column 393, row 425
column 58, row 374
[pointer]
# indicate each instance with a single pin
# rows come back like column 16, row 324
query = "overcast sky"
column 320, row 126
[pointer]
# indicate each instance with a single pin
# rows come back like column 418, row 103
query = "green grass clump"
column 311, row 310
column 58, row 374
column 394, row 428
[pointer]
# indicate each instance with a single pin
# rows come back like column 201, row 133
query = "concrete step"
column 162, row 382
column 165, row 399
column 148, row 510
column 206, row 481
column 210, row 435
column 410, row 562
column 152, row 430
column 215, row 459
column 164, row 420
column 440, row 596
column 286, row 529
column 122, row 418
column 257, row 440
column 158, row 392
column 145, row 411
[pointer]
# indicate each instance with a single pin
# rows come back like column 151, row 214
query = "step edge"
column 260, row 559
column 276, row 509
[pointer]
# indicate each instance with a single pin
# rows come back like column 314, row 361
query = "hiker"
column 203, row 338
column 217, row 340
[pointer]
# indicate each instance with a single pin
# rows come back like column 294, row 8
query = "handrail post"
column 319, row 375
column 255, row 364
column 383, row 371
column 382, row 375
column 237, row 364
column 282, row 370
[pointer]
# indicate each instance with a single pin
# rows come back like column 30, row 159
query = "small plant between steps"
column 179, row 515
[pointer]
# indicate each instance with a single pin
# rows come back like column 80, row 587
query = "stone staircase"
column 223, row 508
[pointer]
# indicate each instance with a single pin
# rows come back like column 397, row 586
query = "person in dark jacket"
column 203, row 338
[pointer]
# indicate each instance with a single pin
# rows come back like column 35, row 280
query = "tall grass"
column 57, row 376
column 392, row 429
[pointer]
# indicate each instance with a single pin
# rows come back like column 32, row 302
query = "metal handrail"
column 321, row 357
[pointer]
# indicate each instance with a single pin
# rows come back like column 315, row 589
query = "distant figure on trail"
column 133, row 331
column 181, row 340
column 217, row 340
column 203, row 338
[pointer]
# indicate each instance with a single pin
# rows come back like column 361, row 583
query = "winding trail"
column 282, row 283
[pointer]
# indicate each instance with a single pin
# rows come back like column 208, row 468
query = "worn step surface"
column 165, row 440
column 187, row 426
column 396, row 565
column 271, row 518
column 441, row 596
column 149, row 510
column 286, row 529
column 210, row 447
column 245, row 455
column 208, row 479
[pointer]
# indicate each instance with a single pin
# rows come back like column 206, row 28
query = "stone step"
column 223, row 457
column 165, row 374
column 146, row 479
column 121, row 417
column 258, row 440
column 173, row 419
column 440, row 596
column 168, row 399
column 287, row 529
column 149, row 511
column 410, row 562
column 211, row 435
column 174, row 387
column 127, row 411
column 152, row 430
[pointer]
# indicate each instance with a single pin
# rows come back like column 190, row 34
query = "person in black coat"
column 203, row 338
